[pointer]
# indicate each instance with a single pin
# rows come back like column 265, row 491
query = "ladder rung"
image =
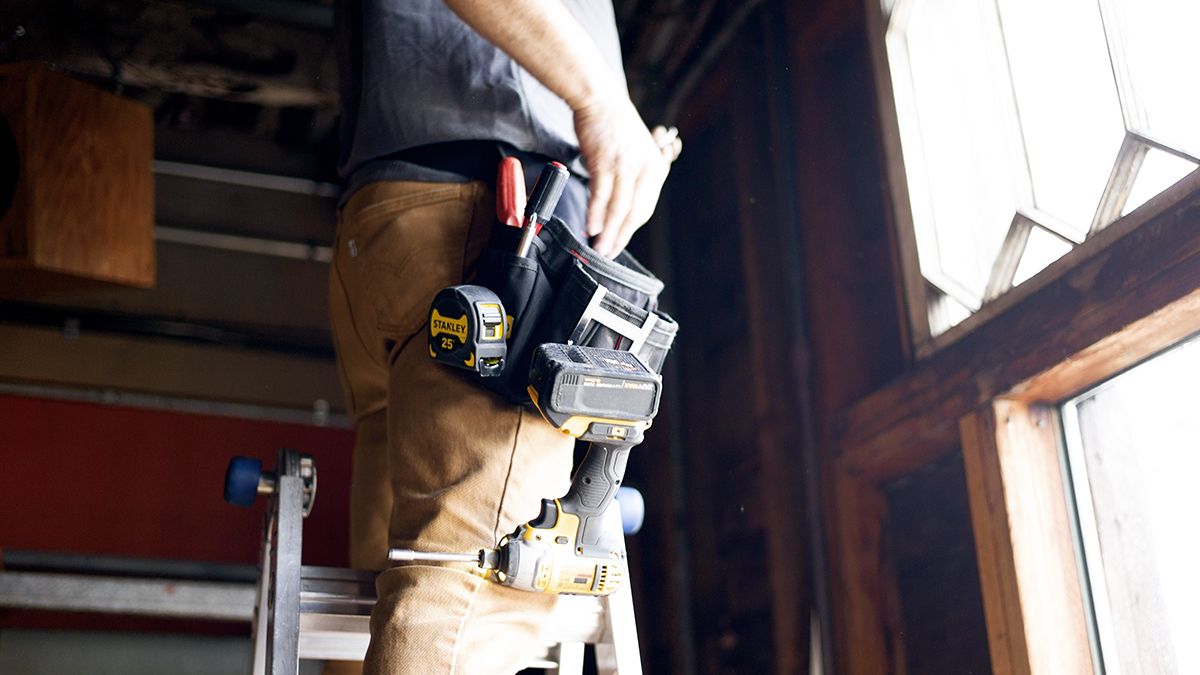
column 342, row 635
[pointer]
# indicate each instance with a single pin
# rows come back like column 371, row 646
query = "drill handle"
column 594, row 486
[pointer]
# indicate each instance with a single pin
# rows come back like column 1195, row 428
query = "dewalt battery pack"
column 592, row 393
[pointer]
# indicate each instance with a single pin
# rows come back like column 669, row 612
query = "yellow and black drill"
column 603, row 396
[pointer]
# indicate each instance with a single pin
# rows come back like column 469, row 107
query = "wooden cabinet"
column 76, row 190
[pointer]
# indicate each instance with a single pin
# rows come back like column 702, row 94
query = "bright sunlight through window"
column 1133, row 449
column 1028, row 125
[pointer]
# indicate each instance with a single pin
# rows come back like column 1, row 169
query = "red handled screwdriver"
column 510, row 192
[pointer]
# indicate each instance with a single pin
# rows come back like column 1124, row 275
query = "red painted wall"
column 89, row 478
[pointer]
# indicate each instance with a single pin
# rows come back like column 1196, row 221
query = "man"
column 433, row 94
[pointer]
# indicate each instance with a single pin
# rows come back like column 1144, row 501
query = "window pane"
column 1160, row 170
column 1070, row 114
column 1135, row 456
column 886, row 6
column 1042, row 249
column 1159, row 39
column 944, row 311
column 1025, row 106
column 960, row 138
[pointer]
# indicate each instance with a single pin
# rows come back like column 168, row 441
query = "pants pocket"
column 410, row 253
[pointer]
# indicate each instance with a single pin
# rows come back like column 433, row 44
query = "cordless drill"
column 574, row 545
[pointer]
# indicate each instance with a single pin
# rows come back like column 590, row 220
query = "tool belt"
column 562, row 291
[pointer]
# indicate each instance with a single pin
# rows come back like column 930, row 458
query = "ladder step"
column 340, row 629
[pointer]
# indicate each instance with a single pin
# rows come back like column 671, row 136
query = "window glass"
column 1160, row 170
column 1134, row 457
column 1069, row 111
column 944, row 311
column 1042, row 249
column 1008, row 106
column 958, row 140
column 1157, row 38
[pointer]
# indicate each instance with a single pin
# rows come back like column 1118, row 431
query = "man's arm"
column 627, row 162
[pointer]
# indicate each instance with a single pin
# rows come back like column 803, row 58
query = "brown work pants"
column 439, row 464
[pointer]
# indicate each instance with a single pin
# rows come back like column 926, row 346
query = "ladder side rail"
column 284, row 612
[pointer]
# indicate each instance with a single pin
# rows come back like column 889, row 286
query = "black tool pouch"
column 564, row 292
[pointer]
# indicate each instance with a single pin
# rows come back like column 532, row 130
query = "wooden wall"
column 775, row 240
column 915, row 553
column 730, row 506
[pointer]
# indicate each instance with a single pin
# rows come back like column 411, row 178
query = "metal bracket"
column 595, row 311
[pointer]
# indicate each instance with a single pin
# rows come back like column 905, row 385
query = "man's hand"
column 628, row 164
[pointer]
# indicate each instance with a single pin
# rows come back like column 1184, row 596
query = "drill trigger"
column 548, row 517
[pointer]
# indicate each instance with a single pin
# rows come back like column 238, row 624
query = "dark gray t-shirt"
column 413, row 74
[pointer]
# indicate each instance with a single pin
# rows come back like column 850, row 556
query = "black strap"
column 474, row 160
column 479, row 160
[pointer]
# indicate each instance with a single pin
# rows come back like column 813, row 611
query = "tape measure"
column 468, row 328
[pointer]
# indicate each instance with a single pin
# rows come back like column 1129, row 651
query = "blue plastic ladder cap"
column 633, row 509
column 241, row 480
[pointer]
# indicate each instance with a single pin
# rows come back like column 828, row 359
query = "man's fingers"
column 645, row 191
column 623, row 234
column 672, row 150
column 664, row 135
column 649, row 186
column 668, row 142
column 619, row 206
column 602, row 185
column 627, row 167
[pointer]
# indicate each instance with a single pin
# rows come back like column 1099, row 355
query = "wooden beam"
column 1115, row 353
column 82, row 200
column 1023, row 539
column 1130, row 290
column 861, row 582
column 253, row 294
column 166, row 368
column 855, row 320
column 778, row 381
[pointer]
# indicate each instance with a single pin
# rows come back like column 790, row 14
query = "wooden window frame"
column 1123, row 296
column 990, row 388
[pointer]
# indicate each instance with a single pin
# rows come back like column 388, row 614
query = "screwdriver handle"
column 510, row 192
column 542, row 202
column 546, row 193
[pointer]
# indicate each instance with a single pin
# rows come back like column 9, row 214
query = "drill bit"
column 485, row 558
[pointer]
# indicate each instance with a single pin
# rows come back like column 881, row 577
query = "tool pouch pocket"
column 564, row 292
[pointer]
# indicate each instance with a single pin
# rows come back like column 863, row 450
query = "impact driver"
column 608, row 398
